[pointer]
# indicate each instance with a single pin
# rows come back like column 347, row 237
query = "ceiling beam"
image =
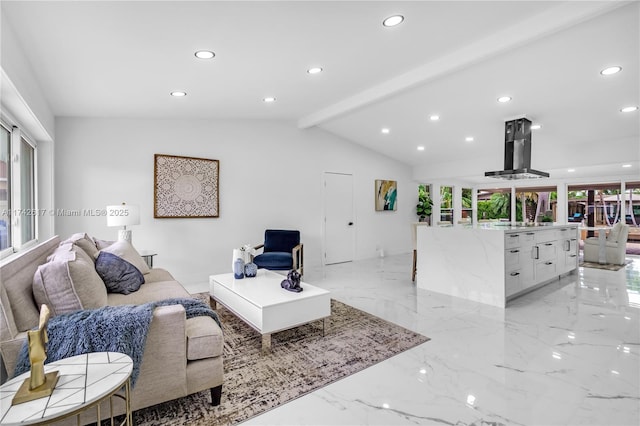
column 510, row 37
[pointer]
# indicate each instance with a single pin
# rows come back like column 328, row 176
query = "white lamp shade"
column 123, row 215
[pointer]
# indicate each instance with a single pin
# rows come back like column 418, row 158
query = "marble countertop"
column 515, row 226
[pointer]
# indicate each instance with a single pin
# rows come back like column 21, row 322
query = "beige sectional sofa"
column 182, row 356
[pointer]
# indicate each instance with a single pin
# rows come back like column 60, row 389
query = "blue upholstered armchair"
column 282, row 251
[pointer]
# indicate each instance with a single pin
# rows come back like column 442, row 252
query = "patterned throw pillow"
column 118, row 275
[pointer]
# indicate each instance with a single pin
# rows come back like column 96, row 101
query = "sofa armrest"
column 163, row 372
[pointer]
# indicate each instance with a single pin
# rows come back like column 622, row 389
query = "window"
column 27, row 191
column 536, row 204
column 446, row 204
column 494, row 204
column 467, row 210
column 18, row 206
column 5, row 188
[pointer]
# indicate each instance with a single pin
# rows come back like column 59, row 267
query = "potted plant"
column 547, row 220
column 423, row 208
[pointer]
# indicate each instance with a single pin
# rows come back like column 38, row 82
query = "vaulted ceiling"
column 451, row 59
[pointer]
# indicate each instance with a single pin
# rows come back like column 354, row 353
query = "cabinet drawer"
column 548, row 235
column 545, row 270
column 512, row 257
column 512, row 282
column 511, row 240
column 528, row 239
column 566, row 233
column 546, row 251
column 571, row 261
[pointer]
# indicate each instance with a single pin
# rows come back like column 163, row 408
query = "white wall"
column 23, row 104
column 270, row 177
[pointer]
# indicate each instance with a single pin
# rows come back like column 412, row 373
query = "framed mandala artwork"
column 185, row 187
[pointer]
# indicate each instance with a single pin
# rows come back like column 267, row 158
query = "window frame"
column 16, row 137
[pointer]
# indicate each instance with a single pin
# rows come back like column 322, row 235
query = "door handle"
column 350, row 223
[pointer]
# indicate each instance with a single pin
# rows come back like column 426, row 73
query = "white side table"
column 84, row 382
column 147, row 255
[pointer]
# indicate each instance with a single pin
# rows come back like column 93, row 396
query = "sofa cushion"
column 158, row 274
column 85, row 242
column 149, row 292
column 69, row 282
column 118, row 275
column 204, row 338
column 125, row 250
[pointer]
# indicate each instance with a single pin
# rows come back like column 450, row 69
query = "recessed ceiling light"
column 626, row 165
column 385, row 131
column 421, row 148
column 269, row 99
column 178, row 94
column 611, row 70
column 629, row 109
column 314, row 70
column 204, row 54
column 469, row 139
column 503, row 99
column 536, row 126
column 434, row 117
column 392, row 21
column 571, row 170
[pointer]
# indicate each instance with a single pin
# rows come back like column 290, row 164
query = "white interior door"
column 339, row 223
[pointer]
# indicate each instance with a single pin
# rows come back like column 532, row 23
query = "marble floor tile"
column 565, row 354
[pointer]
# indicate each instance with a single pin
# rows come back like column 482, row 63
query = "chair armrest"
column 298, row 258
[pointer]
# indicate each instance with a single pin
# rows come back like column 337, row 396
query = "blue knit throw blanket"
column 108, row 329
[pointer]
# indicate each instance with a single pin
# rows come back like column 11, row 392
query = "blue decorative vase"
column 238, row 269
column 250, row 270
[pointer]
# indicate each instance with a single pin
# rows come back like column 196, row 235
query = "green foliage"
column 446, row 197
column 547, row 219
column 423, row 208
column 500, row 205
column 466, row 198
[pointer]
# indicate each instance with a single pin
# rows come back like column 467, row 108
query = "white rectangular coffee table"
column 263, row 304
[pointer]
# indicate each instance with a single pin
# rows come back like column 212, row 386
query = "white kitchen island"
column 493, row 263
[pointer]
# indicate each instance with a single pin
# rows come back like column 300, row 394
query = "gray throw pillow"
column 68, row 282
column 118, row 275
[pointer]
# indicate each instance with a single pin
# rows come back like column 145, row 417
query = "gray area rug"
column 302, row 360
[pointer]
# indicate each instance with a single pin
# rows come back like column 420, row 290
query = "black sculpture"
column 292, row 283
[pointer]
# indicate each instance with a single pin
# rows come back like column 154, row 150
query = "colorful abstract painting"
column 386, row 195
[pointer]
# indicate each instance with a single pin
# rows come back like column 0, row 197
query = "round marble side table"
column 84, row 382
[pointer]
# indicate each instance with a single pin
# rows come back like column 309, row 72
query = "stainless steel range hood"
column 517, row 152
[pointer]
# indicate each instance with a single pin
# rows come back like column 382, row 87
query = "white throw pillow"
column 125, row 250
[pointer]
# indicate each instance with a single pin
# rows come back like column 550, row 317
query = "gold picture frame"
column 185, row 187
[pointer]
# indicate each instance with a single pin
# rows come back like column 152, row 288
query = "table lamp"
column 123, row 215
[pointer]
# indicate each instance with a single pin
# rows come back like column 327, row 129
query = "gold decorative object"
column 38, row 385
